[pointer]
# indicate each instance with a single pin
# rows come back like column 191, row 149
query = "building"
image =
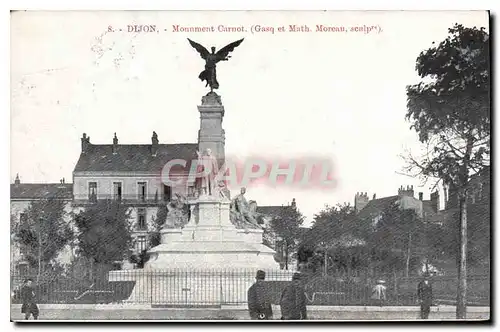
column 22, row 195
column 131, row 174
column 405, row 198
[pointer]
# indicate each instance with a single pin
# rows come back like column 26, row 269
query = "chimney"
column 17, row 181
column 154, row 144
column 85, row 142
column 408, row 191
column 115, row 144
column 64, row 181
column 420, row 196
column 294, row 205
column 360, row 201
column 435, row 201
column 374, row 196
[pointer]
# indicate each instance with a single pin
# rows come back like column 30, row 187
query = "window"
column 142, row 190
column 142, row 243
column 117, row 190
column 93, row 191
column 167, row 193
column 141, row 219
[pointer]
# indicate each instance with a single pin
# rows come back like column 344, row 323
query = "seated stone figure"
column 243, row 214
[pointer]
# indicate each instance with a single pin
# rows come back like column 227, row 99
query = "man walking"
column 424, row 295
column 259, row 303
column 293, row 300
column 29, row 306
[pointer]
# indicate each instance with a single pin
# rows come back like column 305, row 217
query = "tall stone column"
column 211, row 135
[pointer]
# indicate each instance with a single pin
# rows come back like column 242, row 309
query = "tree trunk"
column 462, row 267
column 286, row 255
column 408, row 256
column 326, row 262
column 39, row 252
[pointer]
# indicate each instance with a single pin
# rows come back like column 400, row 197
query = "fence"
column 216, row 287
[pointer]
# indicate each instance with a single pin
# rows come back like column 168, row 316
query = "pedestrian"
column 259, row 302
column 379, row 293
column 28, row 297
column 424, row 295
column 293, row 300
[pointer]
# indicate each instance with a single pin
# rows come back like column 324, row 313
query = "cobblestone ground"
column 202, row 314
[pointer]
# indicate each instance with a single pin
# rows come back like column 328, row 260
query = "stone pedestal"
column 211, row 135
column 207, row 262
column 210, row 241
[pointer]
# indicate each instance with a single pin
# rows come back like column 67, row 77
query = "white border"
column 194, row 5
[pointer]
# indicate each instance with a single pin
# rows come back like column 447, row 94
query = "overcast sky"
column 288, row 94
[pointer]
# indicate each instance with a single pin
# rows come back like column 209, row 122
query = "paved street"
column 212, row 314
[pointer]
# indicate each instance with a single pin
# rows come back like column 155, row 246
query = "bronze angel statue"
column 209, row 74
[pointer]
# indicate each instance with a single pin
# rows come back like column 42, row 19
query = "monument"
column 208, row 232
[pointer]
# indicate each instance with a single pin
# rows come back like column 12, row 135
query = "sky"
column 287, row 94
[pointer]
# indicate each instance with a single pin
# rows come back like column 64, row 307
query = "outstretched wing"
column 202, row 50
column 223, row 52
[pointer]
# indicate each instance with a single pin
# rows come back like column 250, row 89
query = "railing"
column 125, row 199
column 217, row 287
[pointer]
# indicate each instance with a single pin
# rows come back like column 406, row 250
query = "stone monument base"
column 208, row 261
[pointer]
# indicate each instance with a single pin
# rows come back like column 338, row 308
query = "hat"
column 260, row 275
column 380, row 281
column 296, row 276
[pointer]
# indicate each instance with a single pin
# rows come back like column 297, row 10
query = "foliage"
column 451, row 111
column 43, row 232
column 158, row 221
column 104, row 231
column 445, row 238
column 335, row 232
column 398, row 235
column 286, row 226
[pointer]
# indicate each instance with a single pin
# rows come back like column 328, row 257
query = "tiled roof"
column 376, row 206
column 133, row 157
column 41, row 190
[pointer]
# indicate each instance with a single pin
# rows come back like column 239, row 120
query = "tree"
column 335, row 234
column 158, row 222
column 286, row 226
column 154, row 236
column 43, row 232
column 396, row 236
column 450, row 111
column 104, row 232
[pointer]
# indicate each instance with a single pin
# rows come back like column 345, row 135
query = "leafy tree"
column 398, row 234
column 450, row 111
column 286, row 226
column 104, row 232
column 445, row 239
column 43, row 232
column 158, row 222
column 336, row 233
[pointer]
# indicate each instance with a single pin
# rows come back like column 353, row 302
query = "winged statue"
column 209, row 74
